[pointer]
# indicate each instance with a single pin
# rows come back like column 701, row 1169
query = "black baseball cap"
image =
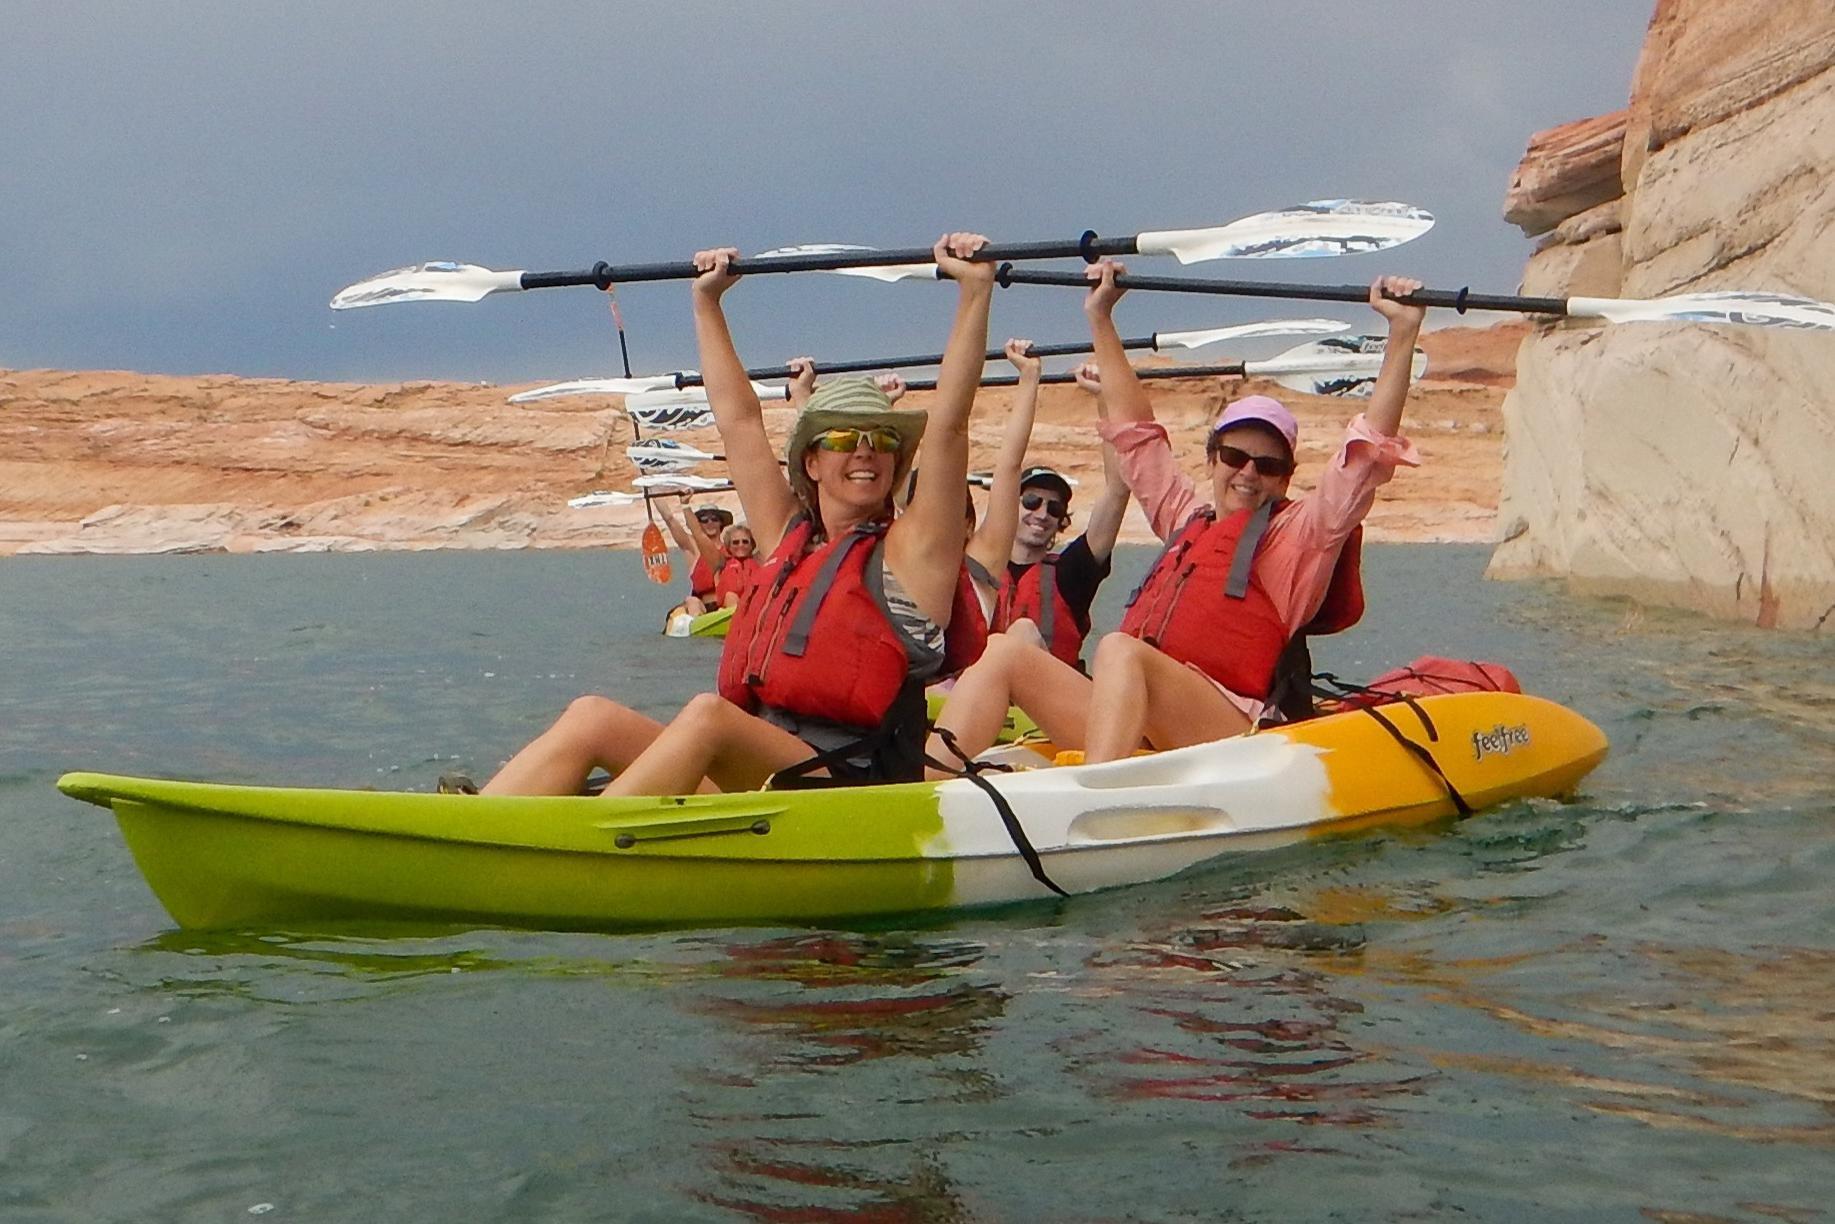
column 1046, row 477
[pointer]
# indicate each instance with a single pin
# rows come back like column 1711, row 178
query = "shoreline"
column 121, row 463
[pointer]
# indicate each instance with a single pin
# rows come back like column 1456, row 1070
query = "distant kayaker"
column 739, row 549
column 827, row 655
column 1195, row 657
column 702, row 544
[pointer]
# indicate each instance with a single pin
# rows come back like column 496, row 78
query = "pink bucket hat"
column 1265, row 411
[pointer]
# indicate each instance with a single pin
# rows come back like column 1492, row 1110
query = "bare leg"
column 710, row 740
column 1137, row 692
column 1027, row 631
column 1012, row 672
column 693, row 606
column 593, row 732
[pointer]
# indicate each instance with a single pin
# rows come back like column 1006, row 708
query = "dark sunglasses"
column 1266, row 465
column 1053, row 507
column 881, row 440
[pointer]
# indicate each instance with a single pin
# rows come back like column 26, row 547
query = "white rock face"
column 1694, row 466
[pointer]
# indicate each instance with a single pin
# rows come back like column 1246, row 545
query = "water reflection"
column 906, row 1014
column 1238, row 1008
column 861, row 997
column 1691, row 1039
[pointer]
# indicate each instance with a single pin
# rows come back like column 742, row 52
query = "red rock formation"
column 1567, row 170
column 1684, row 464
column 104, row 461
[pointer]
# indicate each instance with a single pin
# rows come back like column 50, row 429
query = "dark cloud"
column 189, row 183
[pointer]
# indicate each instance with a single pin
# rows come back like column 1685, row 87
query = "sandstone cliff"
column 107, row 462
column 1685, row 465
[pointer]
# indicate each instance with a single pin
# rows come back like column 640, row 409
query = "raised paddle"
column 1158, row 342
column 1752, row 309
column 1323, row 227
column 1332, row 365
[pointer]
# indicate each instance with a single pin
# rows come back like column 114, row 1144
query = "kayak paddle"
column 1158, row 342
column 1754, row 309
column 1320, row 228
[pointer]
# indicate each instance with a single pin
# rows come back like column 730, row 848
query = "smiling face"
column 1041, row 517
column 710, row 525
column 1236, row 482
column 738, row 542
column 852, row 484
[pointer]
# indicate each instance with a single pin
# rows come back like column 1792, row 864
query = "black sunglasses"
column 1053, row 507
column 1266, row 465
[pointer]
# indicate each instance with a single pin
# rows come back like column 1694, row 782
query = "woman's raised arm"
column 763, row 491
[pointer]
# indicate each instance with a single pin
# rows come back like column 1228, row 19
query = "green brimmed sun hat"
column 850, row 403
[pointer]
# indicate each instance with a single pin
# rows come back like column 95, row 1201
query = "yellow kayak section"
column 246, row 857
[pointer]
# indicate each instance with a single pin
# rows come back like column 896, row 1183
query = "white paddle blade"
column 666, row 455
column 1245, row 331
column 1750, row 309
column 1305, row 231
column 682, row 484
column 440, row 281
column 670, row 411
column 888, row 272
column 596, row 386
column 592, row 501
column 1341, row 365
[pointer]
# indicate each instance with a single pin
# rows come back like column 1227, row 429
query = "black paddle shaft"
column 1088, row 248
column 1232, row 369
column 1460, row 300
column 861, row 365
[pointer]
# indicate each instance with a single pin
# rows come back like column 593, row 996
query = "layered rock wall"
column 1682, row 464
column 115, row 462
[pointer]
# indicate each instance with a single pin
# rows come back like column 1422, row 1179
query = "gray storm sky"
column 186, row 184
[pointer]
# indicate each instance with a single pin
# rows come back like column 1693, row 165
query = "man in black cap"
column 1053, row 590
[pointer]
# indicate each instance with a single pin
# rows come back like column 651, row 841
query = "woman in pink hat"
column 1244, row 573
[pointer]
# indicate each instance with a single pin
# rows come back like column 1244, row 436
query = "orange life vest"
column 1035, row 595
column 701, row 579
column 1203, row 603
column 812, row 636
column 735, row 575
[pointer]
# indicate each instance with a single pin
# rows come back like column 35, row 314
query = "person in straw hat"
column 1200, row 651
column 826, row 658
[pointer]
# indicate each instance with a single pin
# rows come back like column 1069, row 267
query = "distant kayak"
column 259, row 857
column 679, row 623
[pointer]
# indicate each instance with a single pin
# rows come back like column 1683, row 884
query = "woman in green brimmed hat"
column 849, row 614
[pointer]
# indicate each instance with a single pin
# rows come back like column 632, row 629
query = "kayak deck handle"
column 629, row 835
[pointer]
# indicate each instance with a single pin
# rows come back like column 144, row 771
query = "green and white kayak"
column 260, row 857
column 680, row 623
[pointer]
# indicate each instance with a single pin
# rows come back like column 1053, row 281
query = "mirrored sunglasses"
column 1266, row 465
column 1053, row 507
column 880, row 439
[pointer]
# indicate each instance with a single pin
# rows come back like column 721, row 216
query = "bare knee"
column 591, row 714
column 1117, row 650
column 1008, row 650
column 705, row 712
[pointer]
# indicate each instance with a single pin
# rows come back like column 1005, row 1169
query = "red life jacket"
column 812, row 636
column 1036, row 596
column 967, row 633
column 735, row 575
column 701, row 579
column 1203, row 603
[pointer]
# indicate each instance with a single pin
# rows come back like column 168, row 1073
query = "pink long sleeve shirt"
column 1301, row 548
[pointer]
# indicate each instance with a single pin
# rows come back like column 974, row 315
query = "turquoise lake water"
column 1618, row 1008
